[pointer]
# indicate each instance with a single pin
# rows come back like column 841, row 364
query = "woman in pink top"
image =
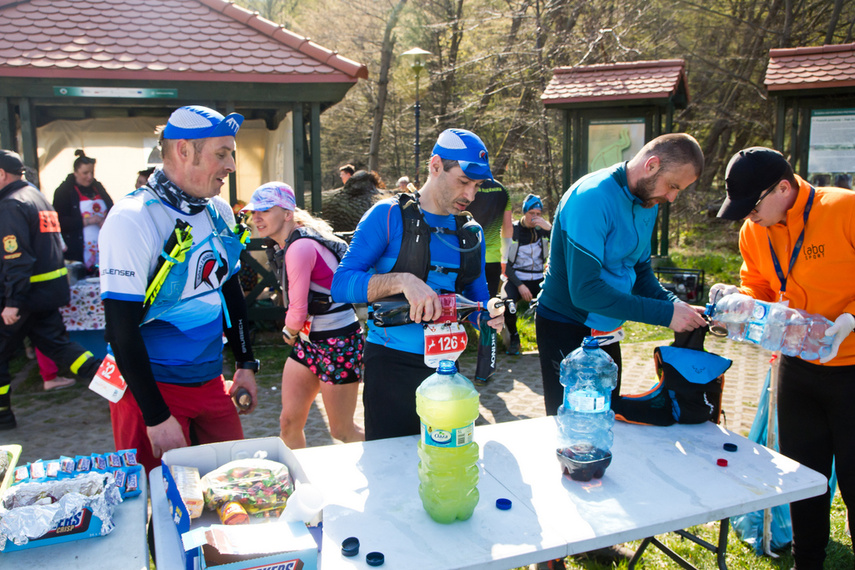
column 326, row 336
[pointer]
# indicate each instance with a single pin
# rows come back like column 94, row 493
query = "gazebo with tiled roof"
column 640, row 91
column 78, row 59
column 809, row 82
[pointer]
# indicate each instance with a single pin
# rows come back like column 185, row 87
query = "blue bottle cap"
column 447, row 367
column 350, row 546
column 590, row 342
column 375, row 559
column 730, row 447
column 503, row 504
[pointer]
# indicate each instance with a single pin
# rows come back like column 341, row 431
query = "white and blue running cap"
column 198, row 122
column 467, row 149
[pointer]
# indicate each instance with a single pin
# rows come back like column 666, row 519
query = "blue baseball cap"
column 198, row 122
column 467, row 149
column 271, row 194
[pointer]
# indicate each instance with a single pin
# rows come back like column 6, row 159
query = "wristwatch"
column 288, row 334
column 253, row 365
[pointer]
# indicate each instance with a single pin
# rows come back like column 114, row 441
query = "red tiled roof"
column 188, row 40
column 616, row 82
column 811, row 68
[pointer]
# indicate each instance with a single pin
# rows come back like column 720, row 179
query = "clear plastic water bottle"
column 772, row 336
column 735, row 308
column 757, row 321
column 585, row 419
column 816, row 344
column 795, row 332
column 447, row 404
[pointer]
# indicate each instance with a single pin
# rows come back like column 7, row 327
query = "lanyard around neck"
column 796, row 248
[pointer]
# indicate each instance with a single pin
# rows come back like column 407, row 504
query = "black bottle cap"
column 730, row 447
column 375, row 559
column 350, row 546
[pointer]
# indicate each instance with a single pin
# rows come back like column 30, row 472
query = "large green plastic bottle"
column 447, row 404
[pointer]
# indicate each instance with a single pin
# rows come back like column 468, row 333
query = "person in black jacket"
column 32, row 281
column 82, row 204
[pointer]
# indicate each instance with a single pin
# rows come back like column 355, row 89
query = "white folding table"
column 661, row 479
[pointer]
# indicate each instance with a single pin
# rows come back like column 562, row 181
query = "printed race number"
column 445, row 341
column 108, row 381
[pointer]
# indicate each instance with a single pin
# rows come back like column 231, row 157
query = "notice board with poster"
column 613, row 140
column 831, row 158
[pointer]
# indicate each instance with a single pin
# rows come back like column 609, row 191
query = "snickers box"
column 258, row 545
column 81, row 524
column 83, row 509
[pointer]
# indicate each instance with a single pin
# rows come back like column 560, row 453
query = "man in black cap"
column 33, row 283
column 798, row 246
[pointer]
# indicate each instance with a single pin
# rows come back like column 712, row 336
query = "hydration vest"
column 515, row 246
column 414, row 256
column 320, row 302
column 170, row 294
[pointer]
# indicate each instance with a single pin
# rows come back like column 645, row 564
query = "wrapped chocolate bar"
column 258, row 485
column 32, row 509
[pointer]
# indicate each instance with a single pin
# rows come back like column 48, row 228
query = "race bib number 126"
column 445, row 341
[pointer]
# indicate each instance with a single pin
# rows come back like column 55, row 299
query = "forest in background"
column 493, row 58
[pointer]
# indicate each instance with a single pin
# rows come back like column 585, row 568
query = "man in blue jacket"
column 430, row 257
column 599, row 272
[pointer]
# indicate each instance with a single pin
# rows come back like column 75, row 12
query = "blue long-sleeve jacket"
column 599, row 270
column 374, row 249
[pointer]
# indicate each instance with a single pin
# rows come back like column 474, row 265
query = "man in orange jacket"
column 798, row 245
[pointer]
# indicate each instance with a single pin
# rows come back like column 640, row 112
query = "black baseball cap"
column 11, row 162
column 749, row 173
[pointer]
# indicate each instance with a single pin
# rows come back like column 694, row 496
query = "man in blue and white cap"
column 168, row 346
column 415, row 246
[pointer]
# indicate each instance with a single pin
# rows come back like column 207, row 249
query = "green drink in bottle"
column 447, row 404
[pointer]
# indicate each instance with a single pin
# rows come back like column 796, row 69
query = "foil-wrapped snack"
column 30, row 510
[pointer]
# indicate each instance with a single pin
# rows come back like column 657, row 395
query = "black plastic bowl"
column 580, row 470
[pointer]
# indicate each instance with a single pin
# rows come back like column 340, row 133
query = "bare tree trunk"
column 553, row 190
column 454, row 12
column 499, row 67
column 832, row 24
column 383, row 86
column 516, row 132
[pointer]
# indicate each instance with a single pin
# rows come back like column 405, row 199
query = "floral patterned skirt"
column 336, row 360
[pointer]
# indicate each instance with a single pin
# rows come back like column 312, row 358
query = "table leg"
column 719, row 550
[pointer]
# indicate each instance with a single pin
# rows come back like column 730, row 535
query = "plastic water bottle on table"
column 585, row 419
column 447, row 404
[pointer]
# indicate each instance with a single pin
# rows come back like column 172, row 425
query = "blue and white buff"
column 198, row 122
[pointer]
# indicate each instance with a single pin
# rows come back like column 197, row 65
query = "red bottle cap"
column 721, row 462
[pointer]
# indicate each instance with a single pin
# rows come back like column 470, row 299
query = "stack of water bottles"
column 774, row 326
column 585, row 419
